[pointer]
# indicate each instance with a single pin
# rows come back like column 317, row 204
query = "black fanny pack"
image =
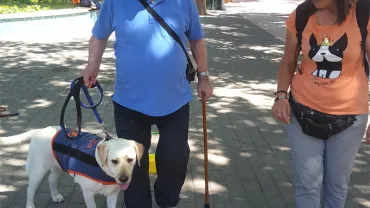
column 318, row 124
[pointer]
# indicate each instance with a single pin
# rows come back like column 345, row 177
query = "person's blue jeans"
column 324, row 164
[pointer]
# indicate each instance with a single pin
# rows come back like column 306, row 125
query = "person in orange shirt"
column 326, row 109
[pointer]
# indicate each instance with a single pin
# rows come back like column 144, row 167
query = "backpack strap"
column 301, row 20
column 362, row 17
column 304, row 10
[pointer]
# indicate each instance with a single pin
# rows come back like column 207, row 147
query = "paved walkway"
column 248, row 150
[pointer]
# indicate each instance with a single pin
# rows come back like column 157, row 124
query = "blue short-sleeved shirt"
column 150, row 64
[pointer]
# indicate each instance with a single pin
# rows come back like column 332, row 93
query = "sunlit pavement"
column 249, row 156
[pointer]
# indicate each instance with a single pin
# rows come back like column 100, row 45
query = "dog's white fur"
column 40, row 160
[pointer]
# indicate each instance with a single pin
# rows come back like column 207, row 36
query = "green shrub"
column 15, row 6
column 15, row 9
column 32, row 1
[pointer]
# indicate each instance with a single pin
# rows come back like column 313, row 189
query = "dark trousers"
column 171, row 157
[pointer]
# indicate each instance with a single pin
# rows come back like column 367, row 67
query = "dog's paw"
column 58, row 198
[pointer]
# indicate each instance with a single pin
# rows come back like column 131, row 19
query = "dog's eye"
column 114, row 161
column 129, row 160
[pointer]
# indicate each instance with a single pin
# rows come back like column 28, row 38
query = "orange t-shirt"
column 333, row 78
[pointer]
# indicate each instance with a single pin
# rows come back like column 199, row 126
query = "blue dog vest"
column 77, row 156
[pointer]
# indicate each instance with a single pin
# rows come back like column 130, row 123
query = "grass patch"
column 16, row 7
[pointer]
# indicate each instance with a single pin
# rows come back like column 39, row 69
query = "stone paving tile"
column 249, row 158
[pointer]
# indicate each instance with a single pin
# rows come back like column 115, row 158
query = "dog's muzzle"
column 123, row 182
column 123, row 179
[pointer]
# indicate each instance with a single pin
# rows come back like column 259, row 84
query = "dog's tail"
column 17, row 139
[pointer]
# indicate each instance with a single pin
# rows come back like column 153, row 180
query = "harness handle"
column 74, row 92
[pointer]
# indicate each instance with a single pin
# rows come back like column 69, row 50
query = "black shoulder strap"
column 303, row 13
column 301, row 18
column 167, row 28
column 362, row 17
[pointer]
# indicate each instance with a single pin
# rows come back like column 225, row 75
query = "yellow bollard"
column 152, row 166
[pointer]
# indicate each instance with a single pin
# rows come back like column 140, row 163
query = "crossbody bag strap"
column 168, row 29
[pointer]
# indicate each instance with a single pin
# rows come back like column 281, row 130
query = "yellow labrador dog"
column 115, row 158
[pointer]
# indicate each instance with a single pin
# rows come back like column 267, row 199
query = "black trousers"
column 171, row 157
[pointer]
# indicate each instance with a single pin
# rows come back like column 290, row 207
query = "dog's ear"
column 103, row 153
column 342, row 43
column 313, row 41
column 139, row 148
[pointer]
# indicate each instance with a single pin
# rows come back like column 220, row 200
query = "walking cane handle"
column 203, row 94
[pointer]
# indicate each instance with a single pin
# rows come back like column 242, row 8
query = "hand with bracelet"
column 281, row 107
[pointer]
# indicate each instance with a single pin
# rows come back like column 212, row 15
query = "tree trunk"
column 201, row 4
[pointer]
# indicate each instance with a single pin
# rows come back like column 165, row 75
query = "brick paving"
column 249, row 159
